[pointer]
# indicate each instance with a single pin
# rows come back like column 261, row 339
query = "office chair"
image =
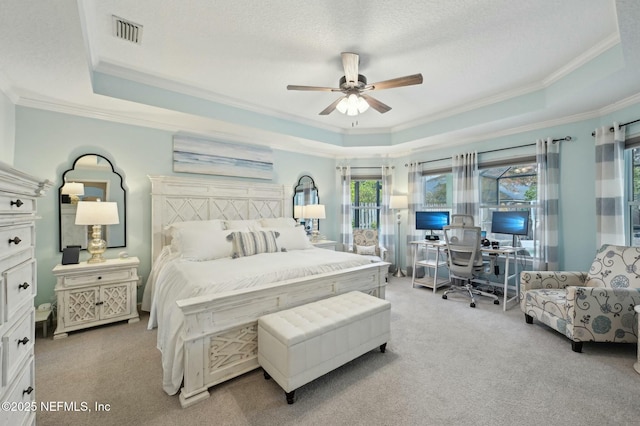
column 464, row 260
column 462, row 219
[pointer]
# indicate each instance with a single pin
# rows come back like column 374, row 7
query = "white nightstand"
column 325, row 244
column 91, row 294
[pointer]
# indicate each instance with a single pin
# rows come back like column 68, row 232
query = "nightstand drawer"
column 17, row 345
column 16, row 238
column 19, row 286
column 97, row 278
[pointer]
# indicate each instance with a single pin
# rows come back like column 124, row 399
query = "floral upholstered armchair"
column 365, row 242
column 597, row 306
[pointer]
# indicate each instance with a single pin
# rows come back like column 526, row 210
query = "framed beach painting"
column 196, row 155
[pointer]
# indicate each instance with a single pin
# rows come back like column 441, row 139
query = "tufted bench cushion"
column 298, row 345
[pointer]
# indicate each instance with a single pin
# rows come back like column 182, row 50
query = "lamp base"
column 399, row 273
column 96, row 246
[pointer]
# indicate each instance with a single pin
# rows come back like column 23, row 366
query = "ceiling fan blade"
column 313, row 88
column 408, row 80
column 328, row 110
column 350, row 62
column 376, row 104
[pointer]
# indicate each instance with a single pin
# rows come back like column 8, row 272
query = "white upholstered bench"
column 298, row 345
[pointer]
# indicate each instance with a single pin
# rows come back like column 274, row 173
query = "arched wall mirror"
column 91, row 177
column 304, row 193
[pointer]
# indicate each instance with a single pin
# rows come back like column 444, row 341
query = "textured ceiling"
column 244, row 53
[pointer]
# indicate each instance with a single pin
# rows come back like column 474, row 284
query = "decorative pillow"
column 366, row 250
column 197, row 245
column 242, row 225
column 292, row 238
column 190, row 228
column 278, row 222
column 250, row 243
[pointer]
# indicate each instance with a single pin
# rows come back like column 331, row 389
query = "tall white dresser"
column 18, row 193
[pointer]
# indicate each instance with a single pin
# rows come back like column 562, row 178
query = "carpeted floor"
column 446, row 364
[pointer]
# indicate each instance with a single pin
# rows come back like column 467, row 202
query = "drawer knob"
column 17, row 203
column 24, row 341
column 24, row 285
column 27, row 391
column 15, row 240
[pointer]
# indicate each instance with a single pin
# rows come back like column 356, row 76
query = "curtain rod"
column 566, row 138
column 611, row 129
column 364, row 167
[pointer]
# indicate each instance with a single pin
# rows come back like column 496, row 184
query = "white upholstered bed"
column 206, row 311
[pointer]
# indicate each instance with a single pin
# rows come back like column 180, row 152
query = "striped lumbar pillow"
column 250, row 243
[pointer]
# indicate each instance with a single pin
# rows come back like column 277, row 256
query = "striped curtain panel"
column 386, row 230
column 610, row 186
column 548, row 159
column 346, row 232
column 416, row 201
column 466, row 196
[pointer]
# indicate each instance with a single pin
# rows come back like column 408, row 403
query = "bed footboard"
column 220, row 330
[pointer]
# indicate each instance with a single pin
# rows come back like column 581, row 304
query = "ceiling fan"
column 353, row 86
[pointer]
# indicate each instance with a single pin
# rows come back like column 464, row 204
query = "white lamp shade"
column 398, row 202
column 72, row 188
column 298, row 211
column 97, row 213
column 314, row 211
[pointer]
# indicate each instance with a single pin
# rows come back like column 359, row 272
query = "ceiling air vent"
column 127, row 30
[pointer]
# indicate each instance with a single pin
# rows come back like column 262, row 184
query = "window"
column 509, row 187
column 634, row 197
column 365, row 203
column 438, row 191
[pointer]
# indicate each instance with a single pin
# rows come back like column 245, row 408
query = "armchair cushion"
column 365, row 242
column 596, row 306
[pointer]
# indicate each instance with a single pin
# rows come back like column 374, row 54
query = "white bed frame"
column 220, row 331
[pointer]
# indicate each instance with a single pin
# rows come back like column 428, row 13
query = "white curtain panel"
column 546, row 232
column 386, row 230
column 416, row 201
column 610, row 186
column 466, row 197
column 346, row 232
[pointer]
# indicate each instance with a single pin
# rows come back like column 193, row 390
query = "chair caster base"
column 473, row 305
column 444, row 296
column 496, row 302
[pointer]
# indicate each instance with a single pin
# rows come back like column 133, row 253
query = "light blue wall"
column 7, row 129
column 47, row 143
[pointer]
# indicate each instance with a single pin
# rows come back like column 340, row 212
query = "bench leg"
column 383, row 347
column 290, row 396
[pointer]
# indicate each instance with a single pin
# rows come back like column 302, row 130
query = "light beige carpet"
column 446, row 364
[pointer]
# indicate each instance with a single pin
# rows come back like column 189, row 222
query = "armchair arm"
column 383, row 253
column 533, row 280
column 602, row 314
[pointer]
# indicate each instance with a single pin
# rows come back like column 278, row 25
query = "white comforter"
column 175, row 279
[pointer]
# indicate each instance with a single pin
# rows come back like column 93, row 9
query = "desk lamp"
column 314, row 212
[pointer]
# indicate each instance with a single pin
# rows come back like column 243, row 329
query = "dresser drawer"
column 16, row 204
column 98, row 277
column 16, row 238
column 19, row 286
column 21, row 398
column 17, row 345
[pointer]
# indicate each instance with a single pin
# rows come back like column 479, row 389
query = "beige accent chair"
column 597, row 306
column 365, row 242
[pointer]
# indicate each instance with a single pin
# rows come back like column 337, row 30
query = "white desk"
column 509, row 254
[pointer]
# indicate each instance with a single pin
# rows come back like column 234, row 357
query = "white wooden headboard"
column 179, row 199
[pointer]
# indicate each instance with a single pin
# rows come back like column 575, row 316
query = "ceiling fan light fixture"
column 363, row 105
column 352, row 104
column 342, row 105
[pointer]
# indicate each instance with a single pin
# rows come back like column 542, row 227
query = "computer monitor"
column 510, row 222
column 432, row 221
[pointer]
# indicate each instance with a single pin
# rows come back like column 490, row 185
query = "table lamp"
column 315, row 212
column 398, row 202
column 97, row 213
column 73, row 190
